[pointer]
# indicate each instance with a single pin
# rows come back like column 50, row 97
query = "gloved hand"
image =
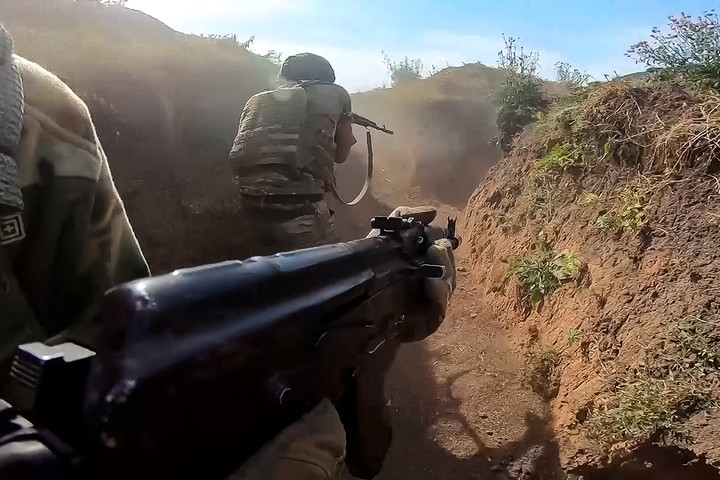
column 312, row 448
column 438, row 290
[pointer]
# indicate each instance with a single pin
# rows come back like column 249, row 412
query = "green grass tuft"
column 629, row 215
column 643, row 410
column 558, row 159
column 587, row 198
column 542, row 273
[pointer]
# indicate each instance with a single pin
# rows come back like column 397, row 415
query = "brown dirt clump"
column 621, row 180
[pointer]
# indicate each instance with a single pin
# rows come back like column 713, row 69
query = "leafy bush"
column 699, row 347
column 643, row 409
column 628, row 215
column 650, row 407
column 691, row 50
column 404, row 71
column 558, row 159
column 521, row 98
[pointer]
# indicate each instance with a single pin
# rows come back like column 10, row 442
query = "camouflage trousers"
column 280, row 223
column 311, row 449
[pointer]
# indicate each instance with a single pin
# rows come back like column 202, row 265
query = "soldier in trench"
column 284, row 153
column 54, row 273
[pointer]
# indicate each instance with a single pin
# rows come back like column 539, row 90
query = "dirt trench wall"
column 632, row 290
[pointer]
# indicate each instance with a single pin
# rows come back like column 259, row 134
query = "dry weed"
column 663, row 129
column 540, row 371
column 692, row 139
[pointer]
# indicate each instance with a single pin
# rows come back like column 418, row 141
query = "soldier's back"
column 282, row 158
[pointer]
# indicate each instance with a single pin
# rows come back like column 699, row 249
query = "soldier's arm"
column 79, row 242
column 111, row 256
column 344, row 137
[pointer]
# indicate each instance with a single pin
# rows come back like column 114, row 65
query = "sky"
column 592, row 36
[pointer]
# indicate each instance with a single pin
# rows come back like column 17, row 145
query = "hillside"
column 595, row 245
column 446, row 129
column 167, row 104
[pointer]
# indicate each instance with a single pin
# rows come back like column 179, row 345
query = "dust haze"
column 443, row 143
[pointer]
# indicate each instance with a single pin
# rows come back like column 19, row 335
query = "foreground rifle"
column 197, row 369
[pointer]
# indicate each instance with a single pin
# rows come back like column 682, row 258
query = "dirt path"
column 459, row 411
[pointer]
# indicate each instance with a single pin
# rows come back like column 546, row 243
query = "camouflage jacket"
column 73, row 239
column 285, row 142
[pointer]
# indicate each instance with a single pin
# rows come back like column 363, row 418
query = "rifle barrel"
column 367, row 123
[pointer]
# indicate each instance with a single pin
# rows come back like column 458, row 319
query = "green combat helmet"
column 306, row 66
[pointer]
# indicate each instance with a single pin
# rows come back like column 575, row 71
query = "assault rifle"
column 367, row 123
column 195, row 370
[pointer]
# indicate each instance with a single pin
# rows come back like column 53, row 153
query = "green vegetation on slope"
column 542, row 271
column 636, row 158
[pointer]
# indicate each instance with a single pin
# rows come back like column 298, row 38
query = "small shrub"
column 689, row 50
column 521, row 98
column 403, row 71
column 541, row 193
column 573, row 335
column 657, row 404
column 540, row 371
column 541, row 273
column 643, row 410
column 559, row 158
column 628, row 216
column 564, row 120
column 699, row 348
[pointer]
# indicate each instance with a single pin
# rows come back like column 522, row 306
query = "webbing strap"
column 368, row 175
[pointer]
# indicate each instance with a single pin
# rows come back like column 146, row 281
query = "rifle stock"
column 197, row 369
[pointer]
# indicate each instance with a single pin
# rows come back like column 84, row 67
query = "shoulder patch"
column 11, row 229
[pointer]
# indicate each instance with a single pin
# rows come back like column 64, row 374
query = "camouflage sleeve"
column 110, row 255
column 78, row 241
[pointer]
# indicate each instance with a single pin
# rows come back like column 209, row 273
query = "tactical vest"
column 279, row 129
